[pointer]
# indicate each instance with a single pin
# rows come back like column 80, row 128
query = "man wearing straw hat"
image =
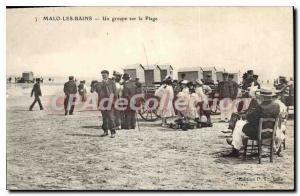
column 267, row 108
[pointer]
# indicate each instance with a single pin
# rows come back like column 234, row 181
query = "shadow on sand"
column 83, row 135
column 91, row 127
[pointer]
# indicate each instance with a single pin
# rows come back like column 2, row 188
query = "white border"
column 107, row 3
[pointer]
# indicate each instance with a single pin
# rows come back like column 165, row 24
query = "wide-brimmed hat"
column 184, row 82
column 117, row 73
column 225, row 74
column 168, row 77
column 265, row 92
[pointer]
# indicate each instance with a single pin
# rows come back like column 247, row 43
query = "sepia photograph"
column 150, row 98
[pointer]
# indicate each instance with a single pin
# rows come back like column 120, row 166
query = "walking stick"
column 137, row 122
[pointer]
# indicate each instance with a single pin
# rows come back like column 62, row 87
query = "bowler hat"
column 225, row 74
column 250, row 72
column 126, row 76
column 71, row 77
column 38, row 79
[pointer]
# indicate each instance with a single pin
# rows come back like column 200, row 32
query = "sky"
column 234, row 38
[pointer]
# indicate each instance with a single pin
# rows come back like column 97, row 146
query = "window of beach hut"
column 163, row 74
column 131, row 72
column 149, row 77
column 189, row 75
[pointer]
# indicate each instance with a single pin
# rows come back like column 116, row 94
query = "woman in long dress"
column 166, row 95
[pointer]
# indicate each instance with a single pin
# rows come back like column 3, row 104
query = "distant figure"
column 70, row 91
column 9, row 79
column 49, row 79
column 36, row 91
column 82, row 91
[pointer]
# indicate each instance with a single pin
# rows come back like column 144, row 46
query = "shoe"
column 71, row 113
column 66, row 113
column 234, row 153
column 30, row 109
column 112, row 136
column 104, row 134
column 229, row 141
column 41, row 108
column 227, row 131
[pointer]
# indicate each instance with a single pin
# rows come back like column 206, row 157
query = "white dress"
column 166, row 95
column 183, row 98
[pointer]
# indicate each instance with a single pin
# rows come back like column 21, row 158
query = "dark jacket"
column 70, row 87
column 234, row 89
column 36, row 90
column 106, row 88
column 129, row 89
column 224, row 89
column 264, row 110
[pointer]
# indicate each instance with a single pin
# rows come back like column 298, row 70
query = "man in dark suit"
column 266, row 107
column 70, row 90
column 36, row 91
column 129, row 90
column 225, row 94
column 107, row 93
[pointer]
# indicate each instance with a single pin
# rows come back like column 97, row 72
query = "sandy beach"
column 50, row 151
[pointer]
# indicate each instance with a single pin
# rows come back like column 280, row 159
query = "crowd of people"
column 194, row 98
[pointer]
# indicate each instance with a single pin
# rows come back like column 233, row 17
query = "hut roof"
column 221, row 69
column 150, row 67
column 209, row 68
column 133, row 66
column 186, row 69
column 165, row 66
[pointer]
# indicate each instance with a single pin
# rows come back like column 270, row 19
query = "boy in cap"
column 36, row 91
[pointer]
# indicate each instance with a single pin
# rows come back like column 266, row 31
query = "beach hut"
column 135, row 71
column 210, row 71
column 191, row 73
column 152, row 74
column 165, row 70
column 27, row 76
